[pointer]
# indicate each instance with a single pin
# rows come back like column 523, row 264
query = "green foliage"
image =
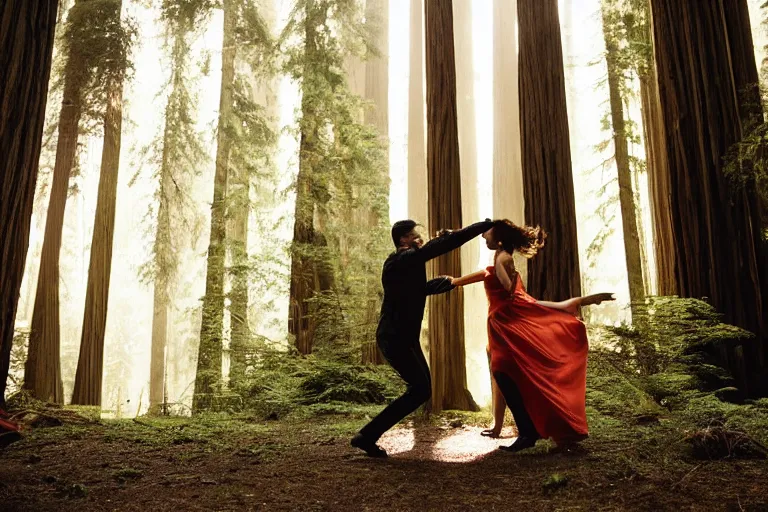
column 282, row 383
column 177, row 151
column 343, row 162
column 96, row 45
column 629, row 53
column 670, row 356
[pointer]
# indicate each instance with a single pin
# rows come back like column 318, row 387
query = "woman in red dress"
column 538, row 349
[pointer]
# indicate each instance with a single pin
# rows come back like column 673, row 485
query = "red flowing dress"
column 544, row 351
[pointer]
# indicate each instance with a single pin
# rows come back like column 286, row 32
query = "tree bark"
column 238, row 199
column 42, row 371
column 163, row 260
column 508, row 197
column 26, row 39
column 377, row 92
column 475, row 302
column 209, row 357
column 746, row 83
column 715, row 242
column 546, row 155
column 417, row 158
column 657, row 167
column 309, row 272
column 621, row 157
column 446, row 320
column 90, row 364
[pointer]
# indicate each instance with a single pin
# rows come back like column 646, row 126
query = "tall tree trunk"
column 42, row 371
column 475, row 302
column 238, row 200
column 377, row 92
column 657, row 165
column 749, row 101
column 417, row 158
column 508, row 197
column 90, row 363
column 546, row 153
column 621, row 157
column 446, row 320
column 163, row 259
column 308, row 270
column 208, row 375
column 715, row 243
column 658, row 184
column 26, row 38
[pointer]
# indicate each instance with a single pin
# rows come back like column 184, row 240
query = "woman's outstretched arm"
column 474, row 277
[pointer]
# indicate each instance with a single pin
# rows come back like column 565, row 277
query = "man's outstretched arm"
column 438, row 285
column 449, row 241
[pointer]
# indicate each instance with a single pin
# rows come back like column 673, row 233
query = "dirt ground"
column 224, row 465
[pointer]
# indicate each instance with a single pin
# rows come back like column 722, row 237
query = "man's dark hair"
column 400, row 229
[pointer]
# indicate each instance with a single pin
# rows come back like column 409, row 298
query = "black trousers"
column 408, row 360
column 515, row 402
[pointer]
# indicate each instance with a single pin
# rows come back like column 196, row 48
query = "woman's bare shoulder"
column 505, row 258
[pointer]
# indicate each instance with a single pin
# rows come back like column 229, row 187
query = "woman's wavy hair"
column 526, row 240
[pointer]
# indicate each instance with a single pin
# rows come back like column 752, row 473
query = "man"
column 405, row 293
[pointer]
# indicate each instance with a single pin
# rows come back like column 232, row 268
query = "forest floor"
column 229, row 463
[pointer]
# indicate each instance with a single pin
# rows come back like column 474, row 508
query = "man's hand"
column 451, row 279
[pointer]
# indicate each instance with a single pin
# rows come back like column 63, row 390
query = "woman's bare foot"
column 493, row 433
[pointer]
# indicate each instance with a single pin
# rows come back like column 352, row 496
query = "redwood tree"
column 546, row 155
column 417, row 160
column 377, row 116
column 716, row 244
column 117, row 37
column 208, row 375
column 26, row 38
column 616, row 86
column 446, row 315
column 42, row 371
column 179, row 149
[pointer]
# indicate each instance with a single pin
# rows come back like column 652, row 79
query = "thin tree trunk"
column 446, row 320
column 163, row 257
column 42, row 371
column 657, row 165
column 238, row 198
column 377, row 92
column 658, row 183
column 715, row 242
column 621, row 157
column 90, row 364
column 508, row 197
column 546, row 154
column 417, row 158
column 26, row 38
column 209, row 356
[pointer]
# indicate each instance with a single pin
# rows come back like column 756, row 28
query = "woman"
column 538, row 349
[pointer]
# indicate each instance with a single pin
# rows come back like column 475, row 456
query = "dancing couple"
column 537, row 349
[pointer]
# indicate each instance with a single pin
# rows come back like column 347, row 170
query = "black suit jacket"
column 404, row 278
